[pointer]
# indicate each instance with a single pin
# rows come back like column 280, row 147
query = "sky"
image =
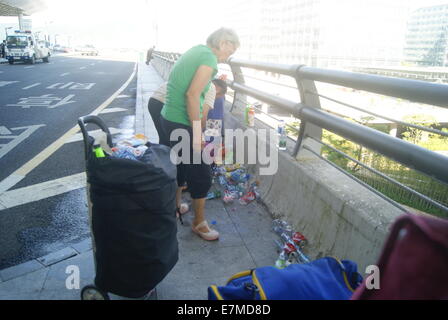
column 171, row 25
column 116, row 23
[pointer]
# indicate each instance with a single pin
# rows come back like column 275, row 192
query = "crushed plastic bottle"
column 213, row 195
column 247, row 198
column 229, row 196
column 232, row 167
column 135, row 141
column 281, row 261
column 127, row 152
column 222, row 181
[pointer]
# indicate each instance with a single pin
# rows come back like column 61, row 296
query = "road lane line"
column 31, row 86
column 21, row 173
column 65, row 74
column 29, row 67
column 40, row 191
column 82, row 68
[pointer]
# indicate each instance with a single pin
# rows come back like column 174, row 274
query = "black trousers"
column 197, row 176
column 154, row 108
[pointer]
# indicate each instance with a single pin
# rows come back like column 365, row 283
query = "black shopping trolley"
column 132, row 218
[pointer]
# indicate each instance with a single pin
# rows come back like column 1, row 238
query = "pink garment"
column 414, row 261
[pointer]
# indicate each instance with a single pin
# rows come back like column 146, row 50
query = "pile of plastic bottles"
column 132, row 149
column 290, row 245
column 236, row 184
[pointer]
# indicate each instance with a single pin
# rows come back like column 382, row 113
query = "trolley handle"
column 83, row 121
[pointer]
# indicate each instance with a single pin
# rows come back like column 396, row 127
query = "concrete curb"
column 45, row 261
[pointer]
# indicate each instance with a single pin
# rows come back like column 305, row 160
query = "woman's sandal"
column 211, row 235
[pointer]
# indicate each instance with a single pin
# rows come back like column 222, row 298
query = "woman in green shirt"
column 188, row 82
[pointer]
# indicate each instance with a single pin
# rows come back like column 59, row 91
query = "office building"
column 427, row 37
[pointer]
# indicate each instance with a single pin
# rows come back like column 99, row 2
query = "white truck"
column 25, row 47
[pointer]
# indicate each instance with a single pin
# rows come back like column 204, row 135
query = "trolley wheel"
column 91, row 292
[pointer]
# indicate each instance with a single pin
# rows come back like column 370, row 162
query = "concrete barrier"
column 339, row 216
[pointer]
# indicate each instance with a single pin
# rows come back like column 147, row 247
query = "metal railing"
column 314, row 119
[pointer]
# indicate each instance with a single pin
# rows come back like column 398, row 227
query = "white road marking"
column 21, row 173
column 31, row 86
column 78, row 137
column 82, row 86
column 14, row 198
column 111, row 110
column 53, row 86
column 16, row 140
column 4, row 131
column 29, row 67
column 65, row 74
column 66, row 85
column 5, row 83
column 64, row 101
column 45, row 100
column 123, row 96
column 82, row 68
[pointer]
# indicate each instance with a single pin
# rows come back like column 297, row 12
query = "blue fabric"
column 218, row 110
column 321, row 279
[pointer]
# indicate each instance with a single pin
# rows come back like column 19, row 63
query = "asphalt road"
column 38, row 105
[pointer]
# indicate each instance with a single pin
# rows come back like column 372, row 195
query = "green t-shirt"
column 175, row 109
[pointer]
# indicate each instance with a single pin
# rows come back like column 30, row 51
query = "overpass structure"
column 20, row 8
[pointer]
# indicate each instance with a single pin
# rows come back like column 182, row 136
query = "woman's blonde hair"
column 223, row 34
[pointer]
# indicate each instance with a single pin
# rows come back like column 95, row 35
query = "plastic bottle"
column 281, row 135
column 251, row 117
column 213, row 195
column 99, row 152
column 123, row 153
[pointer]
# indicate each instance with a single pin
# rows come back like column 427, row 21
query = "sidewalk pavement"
column 246, row 241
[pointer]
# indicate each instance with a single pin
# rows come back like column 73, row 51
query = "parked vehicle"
column 23, row 46
column 88, row 50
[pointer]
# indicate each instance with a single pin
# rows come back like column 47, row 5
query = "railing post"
column 308, row 129
column 238, row 77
